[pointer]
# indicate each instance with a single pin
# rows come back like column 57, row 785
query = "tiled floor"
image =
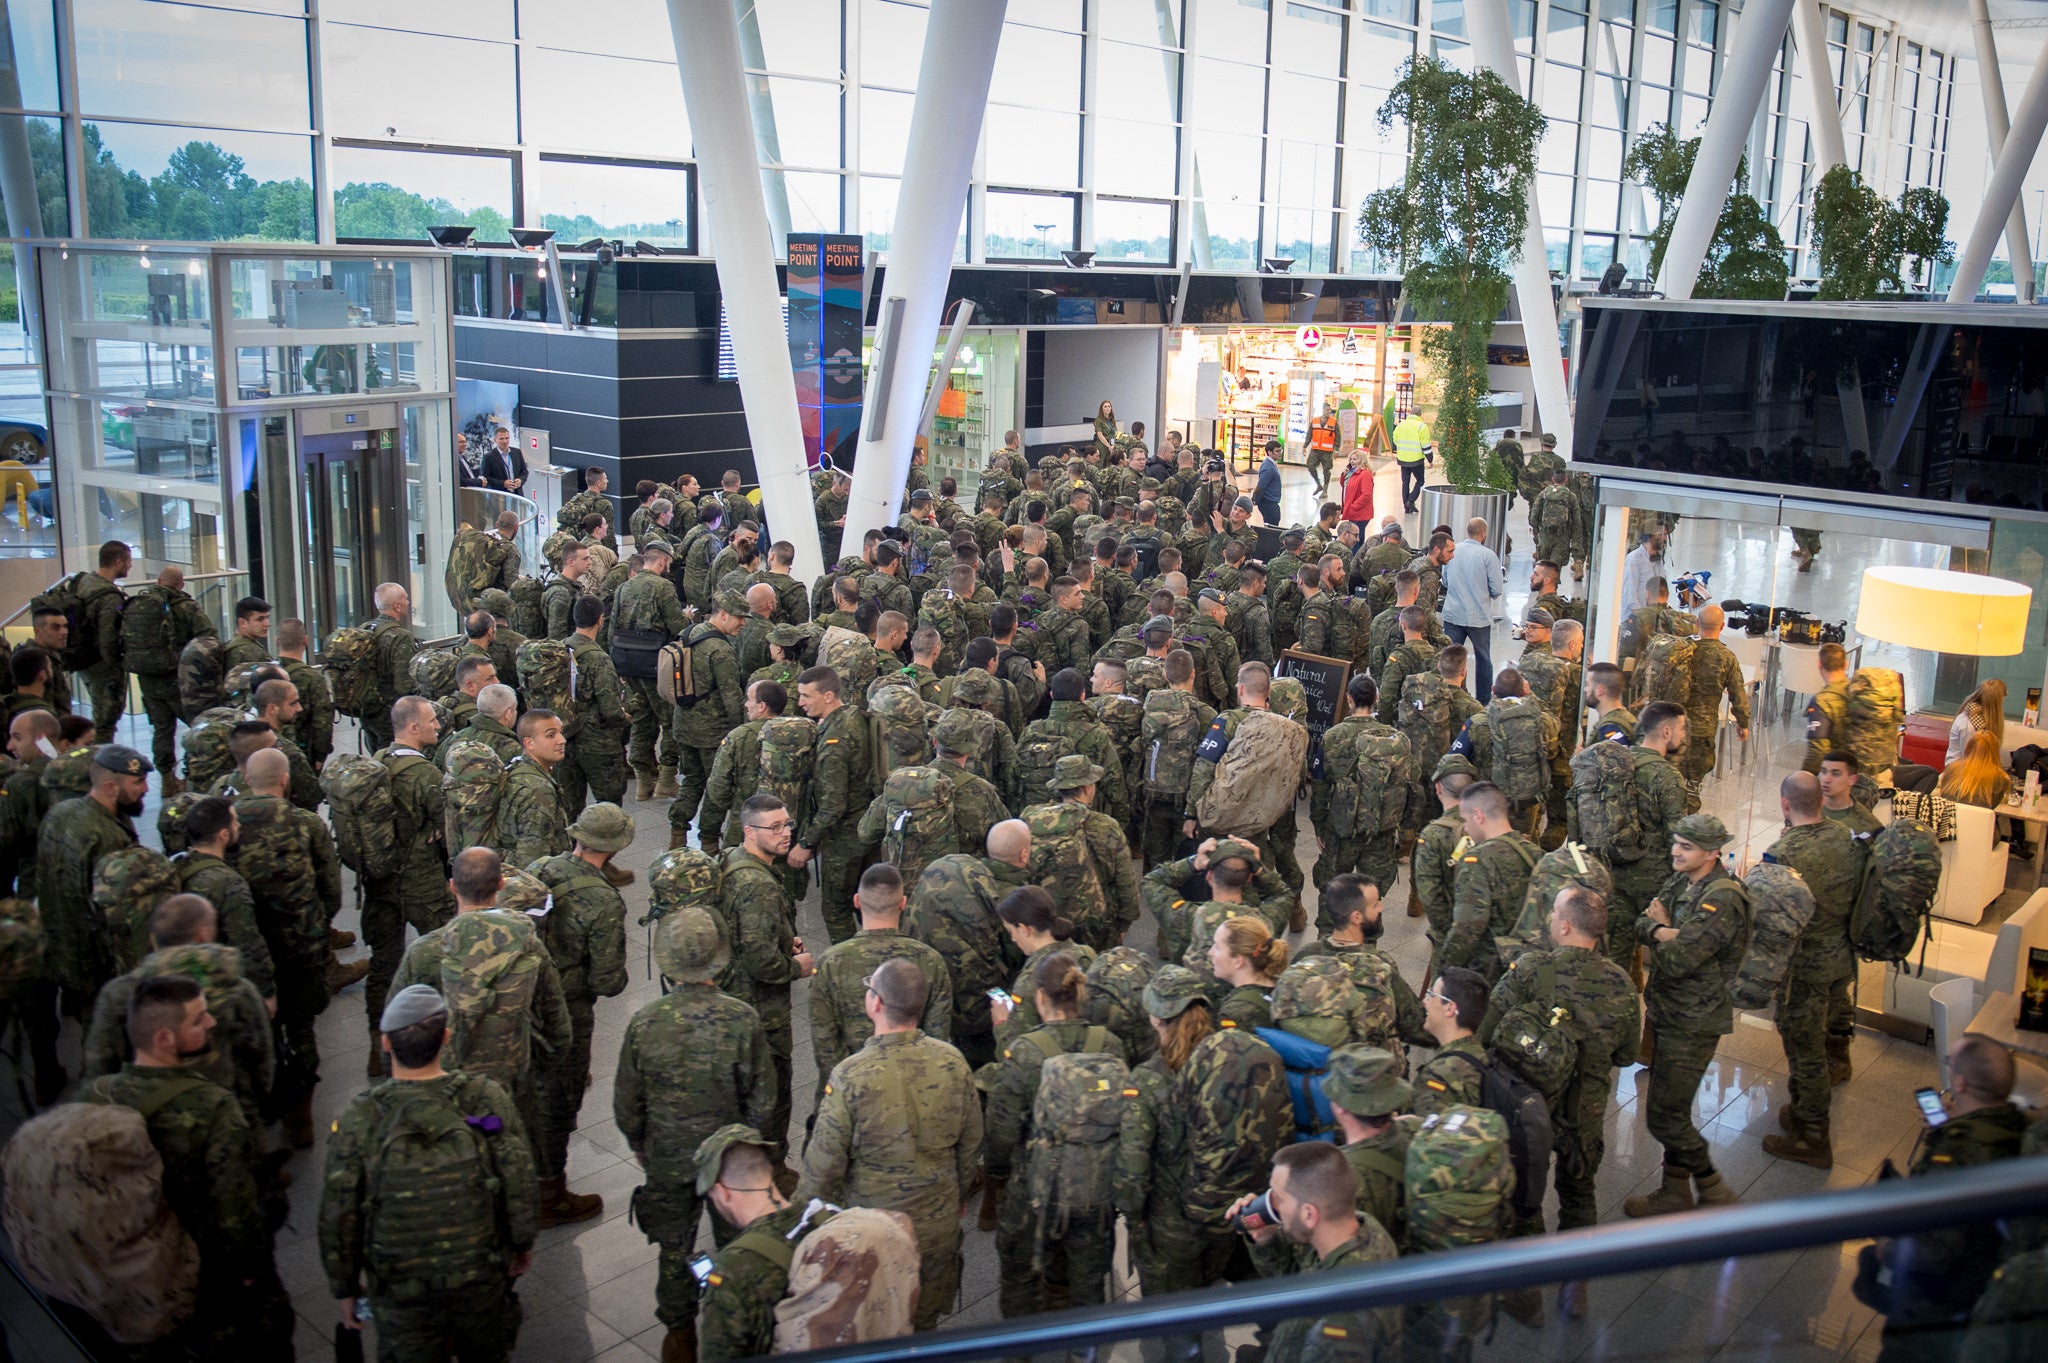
column 591, row 1292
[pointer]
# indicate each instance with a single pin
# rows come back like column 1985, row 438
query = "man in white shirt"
column 1643, row 563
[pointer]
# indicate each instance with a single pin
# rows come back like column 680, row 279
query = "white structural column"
column 1992, row 81
column 2007, row 174
column 960, row 42
column 1494, row 44
column 1810, row 35
column 1755, row 50
column 729, row 178
column 766, row 141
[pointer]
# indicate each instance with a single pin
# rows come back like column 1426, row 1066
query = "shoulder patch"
column 1227, row 1024
column 715, row 1279
column 1335, row 1332
column 1439, row 1085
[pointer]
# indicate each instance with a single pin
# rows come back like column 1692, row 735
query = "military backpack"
column 150, row 630
column 207, row 756
column 202, row 673
column 21, row 945
column 1523, row 732
column 1233, row 1094
column 1531, row 1135
column 789, row 746
column 1168, row 736
column 1571, row 863
column 547, row 679
column 82, row 645
column 851, row 1279
column 682, row 877
column 1460, row 1179
column 918, row 808
column 529, row 607
column 1606, row 798
column 433, row 672
column 899, row 729
column 473, row 562
column 1038, row 754
column 489, row 981
column 363, row 812
column 170, row 818
column 431, row 1186
column 1062, row 862
column 1116, row 999
column 472, row 786
column 1872, row 716
column 1257, row 775
column 1371, row 773
column 1076, row 1119
column 1539, row 1037
column 1781, row 905
column 127, row 885
column 351, row 663
column 1424, row 715
column 1896, row 896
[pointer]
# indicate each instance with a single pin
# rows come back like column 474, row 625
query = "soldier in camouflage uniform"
column 1186, row 927
column 839, row 1025
column 1550, row 665
column 530, row 822
column 497, row 709
column 1439, row 848
column 842, row 783
column 209, row 1173
column 211, row 831
column 901, row 1082
column 1490, row 881
column 1122, row 716
column 502, row 645
column 1315, row 1193
column 1370, row 1101
column 1413, row 656
column 276, row 703
column 749, row 1275
column 1350, row 927
column 23, row 801
column 1075, row 727
column 1696, row 931
column 953, row 910
column 1660, row 803
column 767, row 954
column 593, row 767
column 1276, row 844
column 702, row 725
column 1384, row 635
column 1111, row 901
column 391, row 669
column 736, row 770
column 314, row 729
column 417, row 892
column 977, row 805
column 648, row 601
column 1355, row 754
column 177, row 620
column 691, row 1061
column 99, row 629
column 1715, row 673
column 444, row 1290
column 1830, row 859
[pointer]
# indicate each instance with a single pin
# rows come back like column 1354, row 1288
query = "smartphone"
column 1930, row 1106
column 700, row 1268
column 1001, row 996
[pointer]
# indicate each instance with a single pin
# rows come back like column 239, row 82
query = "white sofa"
column 1991, row 962
column 1972, row 866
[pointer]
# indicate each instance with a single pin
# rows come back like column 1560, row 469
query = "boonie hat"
column 711, row 1153
column 603, row 827
column 1367, row 1081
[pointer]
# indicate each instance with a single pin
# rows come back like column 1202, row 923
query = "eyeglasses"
column 1438, row 996
column 785, row 825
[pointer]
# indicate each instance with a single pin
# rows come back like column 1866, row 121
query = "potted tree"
column 1456, row 225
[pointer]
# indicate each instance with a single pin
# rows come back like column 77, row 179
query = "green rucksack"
column 351, row 663
column 472, row 786
column 1605, row 798
column 489, row 978
column 788, row 751
column 1062, row 863
column 940, row 610
column 69, row 775
column 547, row 678
column 1523, row 732
column 1371, row 774
column 1424, row 715
column 1875, row 710
column 918, row 806
column 1666, row 668
column 1168, row 736
column 1896, row 896
column 1780, row 906
column 1459, row 1180
column 433, row 672
column 202, row 672
column 1318, row 999
column 127, row 885
column 170, row 818
column 899, row 729
column 82, row 646
column 555, row 546
column 1572, row 863
column 365, row 816
column 431, row 1182
column 1552, row 513
column 149, row 633
column 683, row 877
column 472, row 566
column 1539, row 1037
column 21, row 945
column 529, row 608
column 1038, row 753
column 207, row 757
column 1076, row 1119
column 1116, row 999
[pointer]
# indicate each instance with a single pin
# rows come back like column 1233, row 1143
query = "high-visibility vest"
column 1322, row 434
column 1409, row 438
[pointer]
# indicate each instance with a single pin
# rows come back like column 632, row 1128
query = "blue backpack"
column 1307, row 1062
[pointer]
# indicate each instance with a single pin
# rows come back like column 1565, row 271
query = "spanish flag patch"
column 1335, row 1332
column 1130, row 1093
column 1436, row 1084
column 715, row 1279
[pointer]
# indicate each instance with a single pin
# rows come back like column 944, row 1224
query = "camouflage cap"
column 976, row 687
column 1702, row 830
column 1366, row 1081
column 1125, row 504
column 1539, row 617
column 731, row 602
column 689, row 946
column 603, row 827
column 122, row 761
column 711, row 1153
column 1549, row 441
column 1148, row 484
column 1233, row 849
column 661, row 547
column 496, row 600
column 1072, row 772
column 920, row 495
column 956, row 732
column 1455, row 764
column 786, row 636
column 414, row 1003
column 1171, row 989
column 523, row 893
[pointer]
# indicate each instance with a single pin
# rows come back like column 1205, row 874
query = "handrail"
column 22, row 609
column 1896, row 1206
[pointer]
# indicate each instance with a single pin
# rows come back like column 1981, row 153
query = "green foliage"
column 1746, row 258
column 1456, row 226
column 1862, row 241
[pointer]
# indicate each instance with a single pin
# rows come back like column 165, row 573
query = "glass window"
column 1379, row 52
column 1302, row 174
column 1137, row 82
column 884, row 130
column 1603, row 203
column 1653, row 106
column 1610, row 102
column 1133, row 230
column 198, row 184
column 1224, row 91
column 584, row 199
column 623, row 28
column 878, row 216
column 1567, row 40
column 806, row 131
column 33, row 34
column 1236, row 30
column 1562, row 87
column 1448, row 16
column 1060, row 14
column 1308, row 40
column 1613, row 46
column 1603, row 152
column 798, row 37
column 1029, row 226
column 1693, row 118
column 397, row 195
column 195, row 65
column 1596, row 253
column 1457, row 56
column 1304, row 107
column 1302, row 236
column 1136, row 158
column 1558, row 153
column 1557, row 248
column 457, row 90
column 1522, row 15
column 1227, row 167
column 814, row 198
column 891, row 43
column 1704, row 24
column 45, row 137
column 1661, row 16
column 1401, row 10
column 1233, row 230
column 1657, row 57
column 559, row 111
column 1038, row 67
column 1139, row 21
column 1554, row 197
column 1699, row 72
column 457, row 18
column 1033, row 146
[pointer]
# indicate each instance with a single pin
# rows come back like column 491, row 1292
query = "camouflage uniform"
column 1076, row 724
column 23, row 803
column 1276, row 844
column 1554, row 515
column 1374, row 971
column 391, row 677
column 1660, row 803
column 1164, row 891
column 1827, row 716
column 902, row 1083
column 558, row 600
column 792, row 605
column 1122, row 717
column 953, row 910
column 1687, row 1002
column 1340, row 1336
column 839, row 1021
column 1081, row 1256
column 735, row 777
column 234, row 908
column 106, row 681
column 721, row 705
column 530, row 821
column 1112, row 901
column 161, row 700
column 649, row 601
column 287, row 857
column 1063, row 640
column 1384, row 635
column 977, row 805
column 1830, row 859
column 1488, row 887
column 1373, row 853
column 585, row 933
column 759, row 919
column 460, row 1301
column 691, row 1061
column 1439, row 849
column 240, row 1058
column 593, row 766
column 842, row 783
column 740, row 1294
column 1407, row 658
column 2008, row 1324
column 417, row 892
column 76, row 833
column 1715, row 672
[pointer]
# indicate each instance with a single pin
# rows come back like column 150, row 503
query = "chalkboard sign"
column 1324, row 681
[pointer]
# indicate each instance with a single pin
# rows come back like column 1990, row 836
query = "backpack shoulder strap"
column 765, row 1245
column 1046, row 1047
column 1528, row 853
column 1097, row 1042
column 1381, row 1162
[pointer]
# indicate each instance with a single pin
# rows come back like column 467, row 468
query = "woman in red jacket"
column 1358, row 493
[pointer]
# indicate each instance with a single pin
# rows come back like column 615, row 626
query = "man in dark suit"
column 466, row 467
column 504, row 465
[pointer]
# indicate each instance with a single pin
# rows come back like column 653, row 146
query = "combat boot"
column 679, row 1345
column 1524, row 1305
column 560, row 1207
column 1297, row 917
column 375, row 1069
column 1571, row 1299
column 678, row 837
column 665, row 787
column 1840, row 1068
column 991, row 1202
column 340, row 939
column 1414, row 905
column 1647, row 1052
column 643, row 784
column 1804, row 1143
column 1674, row 1196
column 1713, row 1191
column 341, row 974
column 298, row 1123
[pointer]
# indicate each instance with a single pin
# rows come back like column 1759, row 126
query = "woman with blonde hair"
column 1983, row 712
column 1247, row 956
column 1980, row 778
